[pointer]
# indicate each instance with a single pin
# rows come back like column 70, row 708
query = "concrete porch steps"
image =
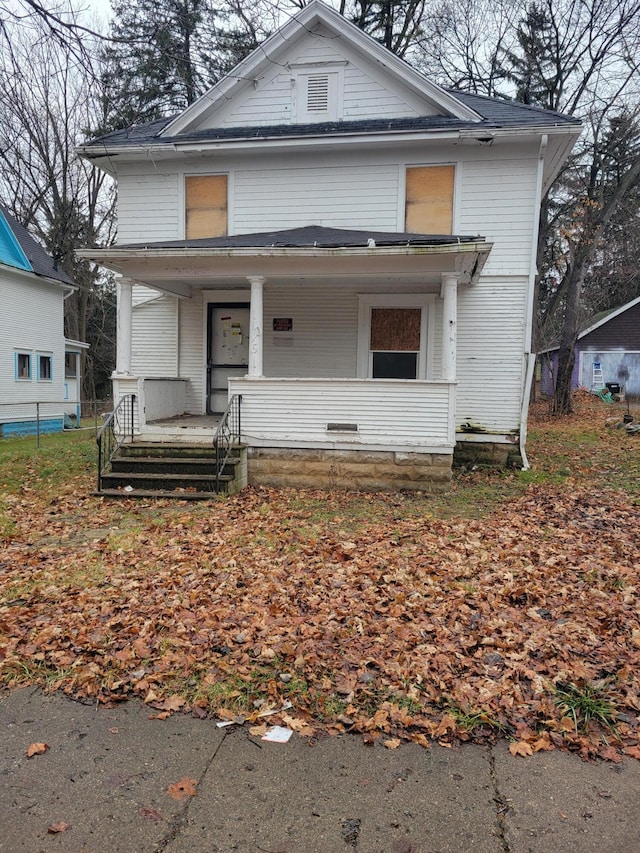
column 172, row 470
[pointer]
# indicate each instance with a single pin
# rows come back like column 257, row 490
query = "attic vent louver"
column 318, row 93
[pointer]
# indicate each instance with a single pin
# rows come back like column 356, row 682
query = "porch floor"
column 196, row 428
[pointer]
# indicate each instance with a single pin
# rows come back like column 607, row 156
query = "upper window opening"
column 429, row 199
column 205, row 206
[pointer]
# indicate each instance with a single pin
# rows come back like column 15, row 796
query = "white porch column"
column 449, row 294
column 123, row 331
column 255, row 325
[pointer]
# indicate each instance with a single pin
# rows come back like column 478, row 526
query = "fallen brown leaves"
column 184, row 788
column 385, row 621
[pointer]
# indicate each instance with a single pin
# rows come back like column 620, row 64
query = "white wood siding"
column 154, row 332
column 389, row 413
column 269, row 104
column 272, row 103
column 491, row 317
column 341, row 197
column 31, row 321
column 149, row 204
column 192, row 325
column 497, row 199
column 324, row 338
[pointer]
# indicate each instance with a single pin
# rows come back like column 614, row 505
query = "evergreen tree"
column 531, row 65
column 164, row 54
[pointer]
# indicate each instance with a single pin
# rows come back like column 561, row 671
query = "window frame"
column 424, row 301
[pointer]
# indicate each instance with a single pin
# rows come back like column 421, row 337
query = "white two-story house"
column 345, row 246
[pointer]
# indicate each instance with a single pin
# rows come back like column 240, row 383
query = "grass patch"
column 586, row 704
column 61, row 457
column 471, row 720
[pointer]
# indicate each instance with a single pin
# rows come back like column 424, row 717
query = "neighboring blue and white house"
column 344, row 244
column 39, row 369
column 607, row 351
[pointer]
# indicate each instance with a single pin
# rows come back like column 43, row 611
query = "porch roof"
column 311, row 236
column 310, row 252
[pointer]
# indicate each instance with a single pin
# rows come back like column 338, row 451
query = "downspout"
column 530, row 357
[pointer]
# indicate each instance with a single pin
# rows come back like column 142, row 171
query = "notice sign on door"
column 283, row 324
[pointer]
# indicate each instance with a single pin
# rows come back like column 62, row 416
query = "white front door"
column 227, row 351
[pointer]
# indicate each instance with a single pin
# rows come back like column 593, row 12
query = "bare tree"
column 578, row 57
column 46, row 102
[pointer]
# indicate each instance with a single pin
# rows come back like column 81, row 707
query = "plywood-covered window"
column 429, row 199
column 205, row 206
column 395, row 342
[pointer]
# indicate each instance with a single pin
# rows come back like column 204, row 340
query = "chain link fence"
column 49, row 417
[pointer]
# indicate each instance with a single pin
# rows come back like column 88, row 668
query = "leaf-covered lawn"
column 510, row 607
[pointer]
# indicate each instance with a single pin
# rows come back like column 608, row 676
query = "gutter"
column 530, row 357
column 115, row 255
column 174, row 146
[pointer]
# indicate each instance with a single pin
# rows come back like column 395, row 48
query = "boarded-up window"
column 395, row 329
column 395, row 342
column 206, row 206
column 429, row 199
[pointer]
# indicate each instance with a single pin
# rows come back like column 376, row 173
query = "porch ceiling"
column 415, row 260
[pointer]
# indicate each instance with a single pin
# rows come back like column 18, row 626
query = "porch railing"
column 227, row 436
column 118, row 426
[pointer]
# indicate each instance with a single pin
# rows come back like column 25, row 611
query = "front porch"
column 343, row 357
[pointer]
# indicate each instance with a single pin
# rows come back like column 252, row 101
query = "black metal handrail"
column 227, row 435
column 118, row 426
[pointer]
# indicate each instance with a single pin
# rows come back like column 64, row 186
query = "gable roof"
column 444, row 109
column 270, row 51
column 496, row 115
column 606, row 316
column 11, row 252
column 596, row 322
column 27, row 254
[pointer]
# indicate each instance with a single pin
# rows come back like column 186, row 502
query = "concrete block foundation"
column 349, row 469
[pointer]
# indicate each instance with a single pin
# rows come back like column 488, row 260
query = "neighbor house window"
column 45, row 368
column 23, row 365
column 70, row 365
column 205, row 206
column 429, row 199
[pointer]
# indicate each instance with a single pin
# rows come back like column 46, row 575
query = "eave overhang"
column 181, row 270
column 168, row 149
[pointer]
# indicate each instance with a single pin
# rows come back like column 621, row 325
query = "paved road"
column 106, row 774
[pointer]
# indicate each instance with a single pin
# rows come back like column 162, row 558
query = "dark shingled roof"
column 496, row 113
column 311, row 236
column 42, row 263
